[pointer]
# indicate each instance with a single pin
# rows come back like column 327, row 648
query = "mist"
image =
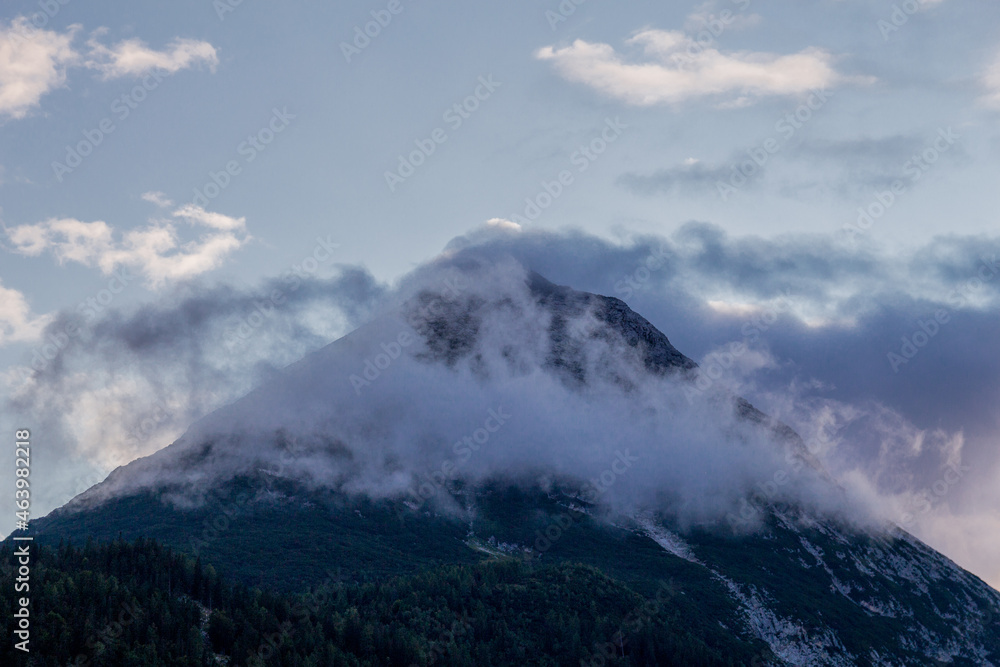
column 458, row 379
column 813, row 320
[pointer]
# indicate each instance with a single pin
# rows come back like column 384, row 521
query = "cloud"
column 155, row 251
column 859, row 167
column 703, row 17
column 991, row 83
column 816, row 317
column 820, row 307
column 17, row 323
column 675, row 68
column 133, row 58
column 157, row 199
column 691, row 175
column 826, row 317
column 32, row 63
column 848, row 168
column 196, row 214
column 503, row 223
column 134, row 378
column 697, row 459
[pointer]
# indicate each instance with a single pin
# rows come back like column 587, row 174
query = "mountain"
column 494, row 419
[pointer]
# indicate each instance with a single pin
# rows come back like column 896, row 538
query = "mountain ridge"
column 887, row 598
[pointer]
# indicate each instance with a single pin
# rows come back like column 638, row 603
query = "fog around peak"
column 465, row 381
column 802, row 326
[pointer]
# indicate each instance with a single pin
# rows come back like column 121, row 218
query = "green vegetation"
column 139, row 603
column 406, row 574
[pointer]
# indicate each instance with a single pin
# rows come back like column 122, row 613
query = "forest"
column 127, row 604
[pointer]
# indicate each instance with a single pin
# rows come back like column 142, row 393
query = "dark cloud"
column 818, row 318
column 503, row 378
column 846, row 168
column 862, row 165
column 849, row 309
column 119, row 384
column 687, row 178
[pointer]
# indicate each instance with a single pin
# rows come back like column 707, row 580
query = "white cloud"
column 32, row 63
column 504, row 224
column 68, row 239
column 157, row 199
column 991, row 82
column 155, row 251
column 17, row 323
column 132, row 57
column 676, row 68
column 196, row 214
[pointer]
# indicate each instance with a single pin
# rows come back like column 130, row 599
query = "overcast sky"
column 843, row 153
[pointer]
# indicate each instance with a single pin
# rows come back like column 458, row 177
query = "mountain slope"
column 505, row 417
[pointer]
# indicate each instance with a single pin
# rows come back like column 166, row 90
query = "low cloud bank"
column 803, row 326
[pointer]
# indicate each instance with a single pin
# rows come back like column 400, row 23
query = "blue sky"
column 228, row 145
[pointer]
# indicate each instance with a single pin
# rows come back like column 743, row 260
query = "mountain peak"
column 495, row 414
column 584, row 375
column 658, row 354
